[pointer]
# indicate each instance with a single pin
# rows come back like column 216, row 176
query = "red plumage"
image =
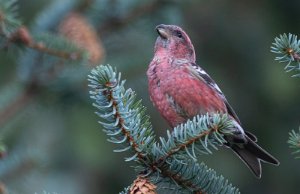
column 180, row 90
column 178, row 94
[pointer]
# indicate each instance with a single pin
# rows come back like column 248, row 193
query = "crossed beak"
column 163, row 31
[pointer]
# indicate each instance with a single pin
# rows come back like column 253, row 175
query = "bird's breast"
column 178, row 95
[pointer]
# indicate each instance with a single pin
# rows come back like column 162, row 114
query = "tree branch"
column 62, row 54
column 22, row 36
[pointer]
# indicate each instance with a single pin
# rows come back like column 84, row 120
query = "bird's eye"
column 178, row 34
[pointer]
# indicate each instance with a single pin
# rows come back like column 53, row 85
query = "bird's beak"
column 163, row 31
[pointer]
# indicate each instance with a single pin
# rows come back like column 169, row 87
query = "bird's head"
column 174, row 42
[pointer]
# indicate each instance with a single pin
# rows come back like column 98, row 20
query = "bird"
column 180, row 89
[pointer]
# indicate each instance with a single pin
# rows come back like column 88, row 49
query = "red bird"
column 180, row 90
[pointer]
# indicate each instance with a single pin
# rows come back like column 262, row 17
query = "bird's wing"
column 197, row 71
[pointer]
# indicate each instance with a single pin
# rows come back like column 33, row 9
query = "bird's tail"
column 252, row 154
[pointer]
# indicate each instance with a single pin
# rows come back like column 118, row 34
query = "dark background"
column 54, row 143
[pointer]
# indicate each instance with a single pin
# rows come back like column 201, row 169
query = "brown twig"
column 127, row 134
column 186, row 144
column 62, row 54
column 23, row 36
column 176, row 177
column 184, row 183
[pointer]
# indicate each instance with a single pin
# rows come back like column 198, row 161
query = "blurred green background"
column 54, row 142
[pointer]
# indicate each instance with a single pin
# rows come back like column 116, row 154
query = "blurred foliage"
column 294, row 141
column 287, row 48
column 9, row 22
column 49, row 129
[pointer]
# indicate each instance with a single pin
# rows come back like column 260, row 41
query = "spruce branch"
column 8, row 17
column 193, row 177
column 294, row 141
column 195, row 136
column 287, row 47
column 12, row 30
column 172, row 161
column 123, row 118
column 125, row 190
column 57, row 46
column 177, row 156
column 43, row 43
column 47, row 43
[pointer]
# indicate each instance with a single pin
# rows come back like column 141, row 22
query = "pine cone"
column 142, row 185
column 78, row 30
